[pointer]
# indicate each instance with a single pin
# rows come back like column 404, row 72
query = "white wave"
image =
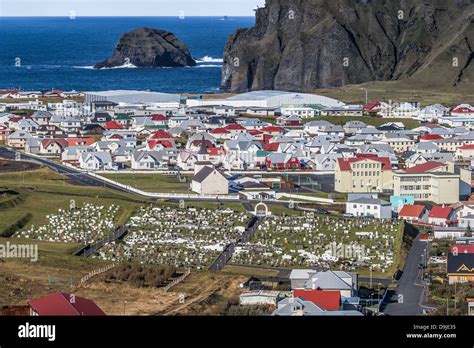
column 124, row 66
column 208, row 66
column 84, row 67
column 207, row 59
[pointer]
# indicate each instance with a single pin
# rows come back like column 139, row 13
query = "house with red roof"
column 289, row 121
column 257, row 134
column 154, row 145
column 271, row 146
column 80, row 141
column 4, row 132
column 428, row 167
column 161, row 134
column 273, row 131
column 235, row 128
column 329, row 300
column 61, row 304
column 430, row 137
column 216, row 155
column 159, row 120
column 440, row 215
column 412, row 213
column 465, row 153
column 279, row 160
column 463, row 110
column 221, row 133
column 52, row 147
column 53, row 93
column 363, row 173
column 9, row 93
column 372, row 108
column 113, row 125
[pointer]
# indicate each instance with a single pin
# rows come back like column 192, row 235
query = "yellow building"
column 363, row 173
column 431, row 181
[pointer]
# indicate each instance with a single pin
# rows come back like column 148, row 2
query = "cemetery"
column 184, row 237
column 86, row 224
column 323, row 242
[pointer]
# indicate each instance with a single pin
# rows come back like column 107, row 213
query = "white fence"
column 165, row 195
column 96, row 272
column 305, row 198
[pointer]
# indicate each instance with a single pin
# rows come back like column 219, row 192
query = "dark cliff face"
column 149, row 48
column 300, row 45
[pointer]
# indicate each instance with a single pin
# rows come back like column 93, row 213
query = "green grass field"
column 371, row 121
column 43, row 192
column 400, row 91
column 151, row 182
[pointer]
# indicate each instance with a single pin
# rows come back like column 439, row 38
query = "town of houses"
column 266, row 131
column 421, row 174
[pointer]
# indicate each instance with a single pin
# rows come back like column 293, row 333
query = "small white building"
column 303, row 112
column 448, row 232
column 147, row 160
column 261, row 297
column 96, row 161
column 370, row 207
column 209, row 181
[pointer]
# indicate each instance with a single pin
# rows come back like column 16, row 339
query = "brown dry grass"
column 204, row 293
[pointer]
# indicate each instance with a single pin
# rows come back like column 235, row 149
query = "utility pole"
column 370, row 277
column 366, row 95
column 422, row 265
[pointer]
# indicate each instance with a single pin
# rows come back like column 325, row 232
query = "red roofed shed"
column 329, row 300
column 61, row 304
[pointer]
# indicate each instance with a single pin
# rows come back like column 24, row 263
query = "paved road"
column 409, row 291
column 83, row 178
column 73, row 175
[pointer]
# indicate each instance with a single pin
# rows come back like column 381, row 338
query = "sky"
column 129, row 7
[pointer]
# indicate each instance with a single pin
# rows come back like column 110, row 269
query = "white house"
column 96, row 161
column 147, row 160
column 303, row 112
column 72, row 154
column 18, row 139
column 367, row 206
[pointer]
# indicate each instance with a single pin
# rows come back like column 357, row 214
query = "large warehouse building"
column 268, row 99
column 131, row 97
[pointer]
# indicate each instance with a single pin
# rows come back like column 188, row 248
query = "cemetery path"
column 89, row 250
column 226, row 255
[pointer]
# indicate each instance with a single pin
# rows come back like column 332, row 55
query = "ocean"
column 59, row 53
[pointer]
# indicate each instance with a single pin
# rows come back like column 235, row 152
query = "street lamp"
column 422, row 265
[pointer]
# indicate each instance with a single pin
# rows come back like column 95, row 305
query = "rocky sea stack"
column 149, row 48
column 299, row 45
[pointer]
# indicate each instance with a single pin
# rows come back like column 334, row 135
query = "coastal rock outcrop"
column 300, row 45
column 149, row 48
